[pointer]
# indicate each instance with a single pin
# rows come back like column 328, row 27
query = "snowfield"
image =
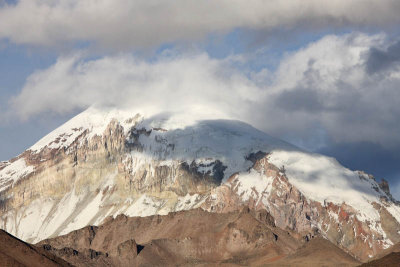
column 323, row 179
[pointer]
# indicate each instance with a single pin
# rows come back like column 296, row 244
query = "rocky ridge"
column 193, row 237
column 16, row 253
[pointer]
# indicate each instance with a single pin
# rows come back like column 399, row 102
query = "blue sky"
column 328, row 76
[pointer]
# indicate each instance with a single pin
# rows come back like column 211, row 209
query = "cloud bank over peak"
column 323, row 90
column 169, row 84
column 120, row 24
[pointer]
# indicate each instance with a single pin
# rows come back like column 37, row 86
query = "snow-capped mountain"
column 104, row 163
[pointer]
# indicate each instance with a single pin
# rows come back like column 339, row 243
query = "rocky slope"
column 317, row 252
column 193, row 237
column 388, row 257
column 392, row 259
column 108, row 162
column 16, row 253
column 185, row 237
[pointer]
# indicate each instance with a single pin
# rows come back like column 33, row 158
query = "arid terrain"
column 17, row 253
column 186, row 238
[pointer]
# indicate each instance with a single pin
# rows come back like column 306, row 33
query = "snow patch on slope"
column 253, row 185
column 13, row 172
column 86, row 215
column 144, row 206
column 41, row 218
column 323, row 179
column 189, row 202
column 31, row 221
column 394, row 210
column 65, row 208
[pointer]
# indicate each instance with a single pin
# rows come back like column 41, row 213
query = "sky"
column 323, row 75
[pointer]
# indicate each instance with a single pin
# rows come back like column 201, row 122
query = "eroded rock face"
column 293, row 211
column 86, row 173
column 187, row 237
column 16, row 253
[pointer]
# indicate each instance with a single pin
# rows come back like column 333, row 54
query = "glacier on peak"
column 172, row 136
column 198, row 138
column 95, row 120
column 323, row 179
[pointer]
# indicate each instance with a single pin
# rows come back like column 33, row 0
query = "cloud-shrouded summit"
column 324, row 75
column 125, row 24
column 168, row 84
column 332, row 89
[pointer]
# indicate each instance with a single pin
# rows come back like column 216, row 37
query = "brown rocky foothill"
column 186, row 238
column 17, row 253
column 194, row 237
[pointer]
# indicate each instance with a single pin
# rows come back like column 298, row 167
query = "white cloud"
column 169, row 84
column 324, row 85
column 120, row 24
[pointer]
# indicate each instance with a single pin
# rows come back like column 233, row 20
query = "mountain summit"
column 103, row 163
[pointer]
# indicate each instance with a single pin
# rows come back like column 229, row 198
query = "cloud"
column 301, row 99
column 379, row 60
column 171, row 83
column 319, row 92
column 366, row 156
column 119, row 24
column 325, row 84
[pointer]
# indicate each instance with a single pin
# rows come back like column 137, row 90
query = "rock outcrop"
column 16, row 253
column 193, row 237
